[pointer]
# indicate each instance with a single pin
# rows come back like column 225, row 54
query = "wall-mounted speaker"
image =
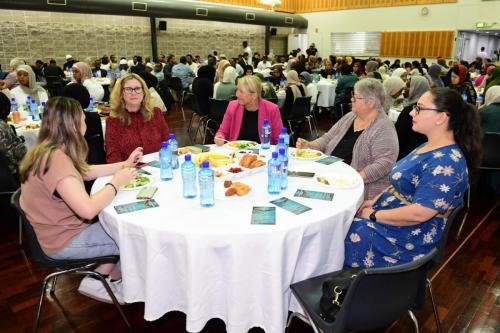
column 273, row 31
column 162, row 25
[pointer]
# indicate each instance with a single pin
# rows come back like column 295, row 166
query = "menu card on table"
column 135, row 206
column 329, row 160
column 327, row 196
column 291, row 206
column 264, row 215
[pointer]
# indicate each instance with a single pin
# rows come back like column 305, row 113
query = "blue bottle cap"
column 284, row 130
column 275, row 154
column 282, row 140
column 205, row 164
column 187, row 158
column 171, row 136
column 164, row 144
column 282, row 151
column 13, row 99
column 266, row 122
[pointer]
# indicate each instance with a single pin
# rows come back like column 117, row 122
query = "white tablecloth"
column 327, row 89
column 212, row 263
column 393, row 114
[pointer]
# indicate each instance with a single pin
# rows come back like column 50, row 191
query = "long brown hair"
column 60, row 129
column 118, row 105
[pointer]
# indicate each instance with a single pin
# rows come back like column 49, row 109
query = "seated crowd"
column 415, row 171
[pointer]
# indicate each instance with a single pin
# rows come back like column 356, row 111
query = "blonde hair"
column 251, row 83
column 60, row 129
column 118, row 105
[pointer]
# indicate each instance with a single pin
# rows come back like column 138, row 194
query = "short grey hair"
column 372, row 89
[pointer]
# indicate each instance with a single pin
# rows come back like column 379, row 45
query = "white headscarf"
column 398, row 72
column 492, row 96
column 33, row 88
column 230, row 75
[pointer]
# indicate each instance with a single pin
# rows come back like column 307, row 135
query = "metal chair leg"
column 182, row 105
column 310, row 127
column 20, row 231
column 414, row 319
column 42, row 294
column 434, row 307
column 467, row 206
column 53, row 288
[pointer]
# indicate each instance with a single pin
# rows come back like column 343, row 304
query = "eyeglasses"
column 418, row 108
column 354, row 98
column 129, row 90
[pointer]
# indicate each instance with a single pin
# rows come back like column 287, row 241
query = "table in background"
column 393, row 114
column 327, row 90
column 212, row 263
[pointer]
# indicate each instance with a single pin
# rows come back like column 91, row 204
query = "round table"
column 213, row 263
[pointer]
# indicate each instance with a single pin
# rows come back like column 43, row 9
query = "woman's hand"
column 366, row 204
column 219, row 140
column 134, row 158
column 365, row 213
column 302, row 144
column 123, row 176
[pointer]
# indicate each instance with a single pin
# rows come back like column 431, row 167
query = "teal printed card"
column 291, row 206
column 264, row 215
column 135, row 206
column 155, row 164
column 329, row 160
column 327, row 196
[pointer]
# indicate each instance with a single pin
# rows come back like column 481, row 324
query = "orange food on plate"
column 227, row 183
column 241, row 189
column 230, row 192
column 257, row 163
column 235, row 170
column 247, row 160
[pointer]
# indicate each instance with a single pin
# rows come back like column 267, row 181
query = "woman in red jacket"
column 244, row 117
column 133, row 121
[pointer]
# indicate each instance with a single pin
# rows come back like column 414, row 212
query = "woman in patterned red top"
column 133, row 122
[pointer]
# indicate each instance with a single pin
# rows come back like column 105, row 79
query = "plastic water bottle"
column 206, row 178
column 166, row 172
column 188, row 171
column 480, row 99
column 284, row 134
column 41, row 107
column 108, row 74
column 90, row 108
column 464, row 96
column 13, row 105
column 281, row 144
column 283, row 159
column 265, row 135
column 34, row 110
column 26, row 107
column 274, row 175
column 172, row 143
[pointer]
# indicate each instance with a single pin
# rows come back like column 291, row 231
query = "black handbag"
column 334, row 291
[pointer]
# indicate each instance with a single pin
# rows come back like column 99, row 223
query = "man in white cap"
column 69, row 62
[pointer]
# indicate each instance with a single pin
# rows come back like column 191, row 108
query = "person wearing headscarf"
column 28, row 87
column 481, row 79
column 435, row 75
column 268, row 91
column 221, row 67
column 226, row 88
column 371, row 70
column 400, row 72
column 152, row 82
column 345, row 87
column 82, row 74
column 11, row 78
column 394, row 87
column 409, row 139
column 490, row 112
column 293, row 90
column 312, row 89
column 460, row 82
column 494, row 80
column 11, row 146
column 396, row 64
column 203, row 87
column 383, row 72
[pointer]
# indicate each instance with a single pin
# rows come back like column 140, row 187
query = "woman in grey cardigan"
column 365, row 138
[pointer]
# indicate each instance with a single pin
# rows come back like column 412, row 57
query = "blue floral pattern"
column 435, row 179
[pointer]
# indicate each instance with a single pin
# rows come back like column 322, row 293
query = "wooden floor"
column 466, row 286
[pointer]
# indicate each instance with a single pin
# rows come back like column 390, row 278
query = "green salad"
column 139, row 181
column 242, row 144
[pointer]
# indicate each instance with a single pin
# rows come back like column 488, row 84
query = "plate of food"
column 32, row 126
column 251, row 161
column 241, row 144
column 215, row 159
column 233, row 191
column 139, row 182
column 338, row 181
column 306, row 154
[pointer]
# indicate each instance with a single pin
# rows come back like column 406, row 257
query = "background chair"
column 376, row 297
column 73, row 266
column 197, row 112
column 95, row 141
column 8, row 185
column 54, row 85
column 300, row 109
column 215, row 115
column 175, row 85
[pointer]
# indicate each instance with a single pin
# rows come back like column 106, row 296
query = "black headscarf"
column 150, row 79
column 78, row 92
column 207, row 72
column 4, row 106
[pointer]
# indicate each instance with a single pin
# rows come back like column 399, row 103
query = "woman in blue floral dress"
column 406, row 221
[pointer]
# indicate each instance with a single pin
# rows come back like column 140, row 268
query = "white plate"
column 338, row 181
column 234, row 144
column 151, row 180
column 314, row 158
column 220, row 194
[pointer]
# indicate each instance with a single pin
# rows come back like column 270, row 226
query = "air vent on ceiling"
column 201, row 12
column 56, row 2
column 288, row 20
column 141, row 6
column 250, row 16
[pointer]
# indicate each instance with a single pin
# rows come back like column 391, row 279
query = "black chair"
column 175, row 84
column 300, row 109
column 312, row 118
column 73, row 266
column 376, row 297
column 490, row 162
column 95, row 142
column 165, row 94
column 202, row 118
column 54, row 85
column 215, row 115
column 9, row 184
column 273, row 100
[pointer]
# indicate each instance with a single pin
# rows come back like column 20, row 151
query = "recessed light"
column 487, row 32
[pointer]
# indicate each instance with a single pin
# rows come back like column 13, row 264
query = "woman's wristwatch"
column 373, row 217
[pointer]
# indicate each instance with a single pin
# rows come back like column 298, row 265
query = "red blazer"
column 122, row 139
column 231, row 124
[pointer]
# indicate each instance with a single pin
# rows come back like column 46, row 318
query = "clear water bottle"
column 206, row 178
column 188, row 171
column 26, row 106
column 34, row 110
column 284, row 134
column 281, row 144
column 464, row 96
column 108, row 74
column 265, row 135
column 90, row 108
column 283, row 159
column 166, row 172
column 274, row 175
column 41, row 107
column 480, row 99
column 13, row 105
column 174, row 147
